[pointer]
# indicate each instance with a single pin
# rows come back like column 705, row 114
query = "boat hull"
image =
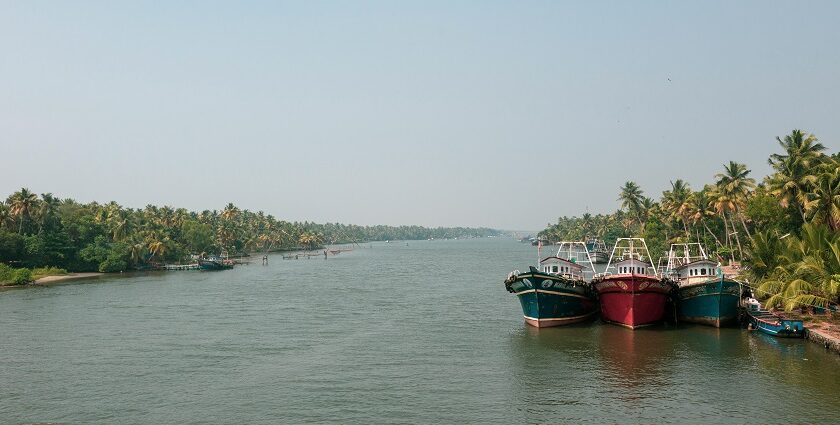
column 771, row 324
column 632, row 300
column 713, row 302
column 599, row 257
column 213, row 265
column 548, row 300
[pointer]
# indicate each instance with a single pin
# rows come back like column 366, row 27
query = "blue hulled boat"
column 703, row 295
column 772, row 324
column 557, row 293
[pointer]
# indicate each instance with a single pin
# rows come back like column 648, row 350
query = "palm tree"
column 21, row 206
column 677, row 203
column 807, row 271
column 699, row 210
column 631, row 199
column 793, row 178
column 721, row 203
column 735, row 185
column 230, row 212
column 47, row 209
column 823, row 204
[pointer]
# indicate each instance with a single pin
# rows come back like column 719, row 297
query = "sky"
column 450, row 113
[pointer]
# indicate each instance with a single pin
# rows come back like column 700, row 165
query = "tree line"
column 40, row 231
column 784, row 229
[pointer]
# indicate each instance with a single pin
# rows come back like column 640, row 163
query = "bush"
column 113, row 264
column 22, row 276
column 7, row 274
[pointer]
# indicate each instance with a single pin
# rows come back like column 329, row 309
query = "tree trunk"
column 743, row 222
column 737, row 240
column 705, row 226
column 726, row 231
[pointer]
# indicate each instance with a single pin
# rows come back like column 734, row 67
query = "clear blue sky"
column 501, row 114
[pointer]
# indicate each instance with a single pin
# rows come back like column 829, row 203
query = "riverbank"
column 49, row 280
column 825, row 334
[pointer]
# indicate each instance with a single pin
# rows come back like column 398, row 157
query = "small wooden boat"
column 772, row 324
column 557, row 293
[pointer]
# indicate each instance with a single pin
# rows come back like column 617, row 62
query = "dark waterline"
column 415, row 333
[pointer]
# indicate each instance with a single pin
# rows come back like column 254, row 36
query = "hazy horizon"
column 479, row 114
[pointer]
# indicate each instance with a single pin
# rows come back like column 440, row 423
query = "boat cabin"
column 633, row 266
column 561, row 266
column 697, row 271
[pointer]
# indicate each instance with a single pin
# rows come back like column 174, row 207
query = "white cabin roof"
column 558, row 260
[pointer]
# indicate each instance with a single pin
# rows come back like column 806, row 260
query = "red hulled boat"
column 629, row 290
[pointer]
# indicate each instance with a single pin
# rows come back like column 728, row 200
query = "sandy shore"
column 62, row 278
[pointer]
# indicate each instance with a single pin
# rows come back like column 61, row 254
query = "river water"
column 417, row 332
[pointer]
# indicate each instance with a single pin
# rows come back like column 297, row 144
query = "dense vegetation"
column 46, row 231
column 785, row 228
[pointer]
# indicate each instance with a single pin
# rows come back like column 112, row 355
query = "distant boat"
column 214, row 263
column 704, row 294
column 772, row 324
column 598, row 250
column 557, row 293
column 630, row 292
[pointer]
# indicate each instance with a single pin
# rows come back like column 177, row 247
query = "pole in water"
column 325, row 254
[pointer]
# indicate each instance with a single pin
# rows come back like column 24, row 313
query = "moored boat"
column 773, row 324
column 557, row 293
column 214, row 263
column 704, row 294
column 630, row 292
column 598, row 250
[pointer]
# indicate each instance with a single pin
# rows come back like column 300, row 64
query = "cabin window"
column 554, row 269
column 703, row 271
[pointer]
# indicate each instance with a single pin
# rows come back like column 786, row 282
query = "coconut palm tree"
column 22, row 204
column 699, row 210
column 631, row 197
column 46, row 210
column 794, row 178
column 807, row 271
column 722, row 204
column 823, row 203
column 736, row 186
column 677, row 202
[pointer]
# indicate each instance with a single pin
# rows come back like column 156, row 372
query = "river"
column 401, row 332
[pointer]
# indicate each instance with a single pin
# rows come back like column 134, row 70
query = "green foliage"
column 805, row 269
column 40, row 272
column 22, row 276
column 12, row 276
column 785, row 229
column 108, row 237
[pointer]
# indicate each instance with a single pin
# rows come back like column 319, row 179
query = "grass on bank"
column 13, row 276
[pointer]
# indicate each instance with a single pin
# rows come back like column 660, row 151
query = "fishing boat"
column 557, row 292
column 214, row 263
column 704, row 294
column 598, row 250
column 630, row 292
column 773, row 324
